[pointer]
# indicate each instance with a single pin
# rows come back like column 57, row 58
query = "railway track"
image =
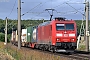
column 77, row 55
column 74, row 55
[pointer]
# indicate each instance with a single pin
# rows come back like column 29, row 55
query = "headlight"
column 72, row 40
column 71, row 34
column 58, row 34
column 58, row 39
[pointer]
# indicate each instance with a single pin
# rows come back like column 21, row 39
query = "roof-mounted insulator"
column 60, row 18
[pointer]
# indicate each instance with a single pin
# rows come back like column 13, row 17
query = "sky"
column 36, row 9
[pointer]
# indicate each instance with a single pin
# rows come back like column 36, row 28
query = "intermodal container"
column 13, row 37
column 29, row 33
column 34, row 34
column 16, row 36
column 24, row 35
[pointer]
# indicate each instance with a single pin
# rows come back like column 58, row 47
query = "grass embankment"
column 3, row 53
column 24, row 54
column 82, row 44
column 9, row 51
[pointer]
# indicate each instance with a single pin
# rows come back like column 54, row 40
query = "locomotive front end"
column 66, row 37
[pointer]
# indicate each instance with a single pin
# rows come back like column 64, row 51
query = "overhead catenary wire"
column 12, row 9
column 34, row 8
column 42, row 5
column 61, row 4
column 70, row 6
column 75, row 9
column 68, row 12
column 11, row 13
column 56, row 6
column 39, row 13
column 31, row 9
column 62, row 13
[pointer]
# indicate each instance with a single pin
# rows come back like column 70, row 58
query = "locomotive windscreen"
column 69, row 26
column 64, row 26
column 60, row 26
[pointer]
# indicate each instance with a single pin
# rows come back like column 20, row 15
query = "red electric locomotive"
column 57, row 35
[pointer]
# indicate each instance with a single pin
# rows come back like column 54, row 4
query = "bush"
column 2, row 37
column 9, row 37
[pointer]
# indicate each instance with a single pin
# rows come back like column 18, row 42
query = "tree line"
column 13, row 24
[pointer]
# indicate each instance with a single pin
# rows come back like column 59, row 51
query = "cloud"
column 36, row 9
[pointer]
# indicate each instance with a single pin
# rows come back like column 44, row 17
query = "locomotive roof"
column 48, row 22
column 45, row 23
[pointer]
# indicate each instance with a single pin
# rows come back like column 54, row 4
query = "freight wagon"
column 28, row 37
column 24, row 37
column 13, row 37
column 31, row 36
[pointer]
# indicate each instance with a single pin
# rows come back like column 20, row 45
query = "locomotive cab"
column 65, row 34
column 57, row 34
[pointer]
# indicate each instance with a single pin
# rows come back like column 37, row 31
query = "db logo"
column 65, row 35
